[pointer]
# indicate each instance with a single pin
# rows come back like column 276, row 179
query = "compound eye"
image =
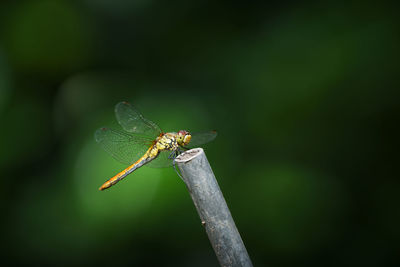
column 187, row 138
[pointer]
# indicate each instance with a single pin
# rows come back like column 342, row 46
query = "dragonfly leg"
column 172, row 156
column 176, row 170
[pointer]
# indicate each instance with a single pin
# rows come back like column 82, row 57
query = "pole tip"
column 189, row 155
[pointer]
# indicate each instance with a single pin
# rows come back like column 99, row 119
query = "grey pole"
column 211, row 206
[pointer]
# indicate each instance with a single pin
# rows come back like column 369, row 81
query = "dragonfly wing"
column 200, row 138
column 163, row 160
column 125, row 147
column 133, row 121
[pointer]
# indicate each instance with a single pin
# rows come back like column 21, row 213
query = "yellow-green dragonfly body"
column 142, row 142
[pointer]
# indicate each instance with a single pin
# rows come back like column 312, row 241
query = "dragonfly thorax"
column 167, row 141
column 171, row 141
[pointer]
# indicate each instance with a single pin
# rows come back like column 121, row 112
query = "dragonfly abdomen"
column 151, row 154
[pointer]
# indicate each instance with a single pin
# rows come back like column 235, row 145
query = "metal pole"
column 211, row 206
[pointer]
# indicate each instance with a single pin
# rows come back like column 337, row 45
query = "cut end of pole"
column 189, row 155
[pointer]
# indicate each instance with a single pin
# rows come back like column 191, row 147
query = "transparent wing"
column 163, row 160
column 125, row 147
column 200, row 138
column 133, row 121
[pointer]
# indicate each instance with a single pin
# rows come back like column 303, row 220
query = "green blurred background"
column 304, row 97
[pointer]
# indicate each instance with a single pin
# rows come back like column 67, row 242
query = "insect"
column 142, row 142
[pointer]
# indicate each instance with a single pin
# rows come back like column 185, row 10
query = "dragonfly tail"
column 121, row 175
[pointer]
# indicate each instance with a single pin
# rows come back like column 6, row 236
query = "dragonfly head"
column 183, row 137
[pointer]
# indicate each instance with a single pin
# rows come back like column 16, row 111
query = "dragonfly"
column 142, row 142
